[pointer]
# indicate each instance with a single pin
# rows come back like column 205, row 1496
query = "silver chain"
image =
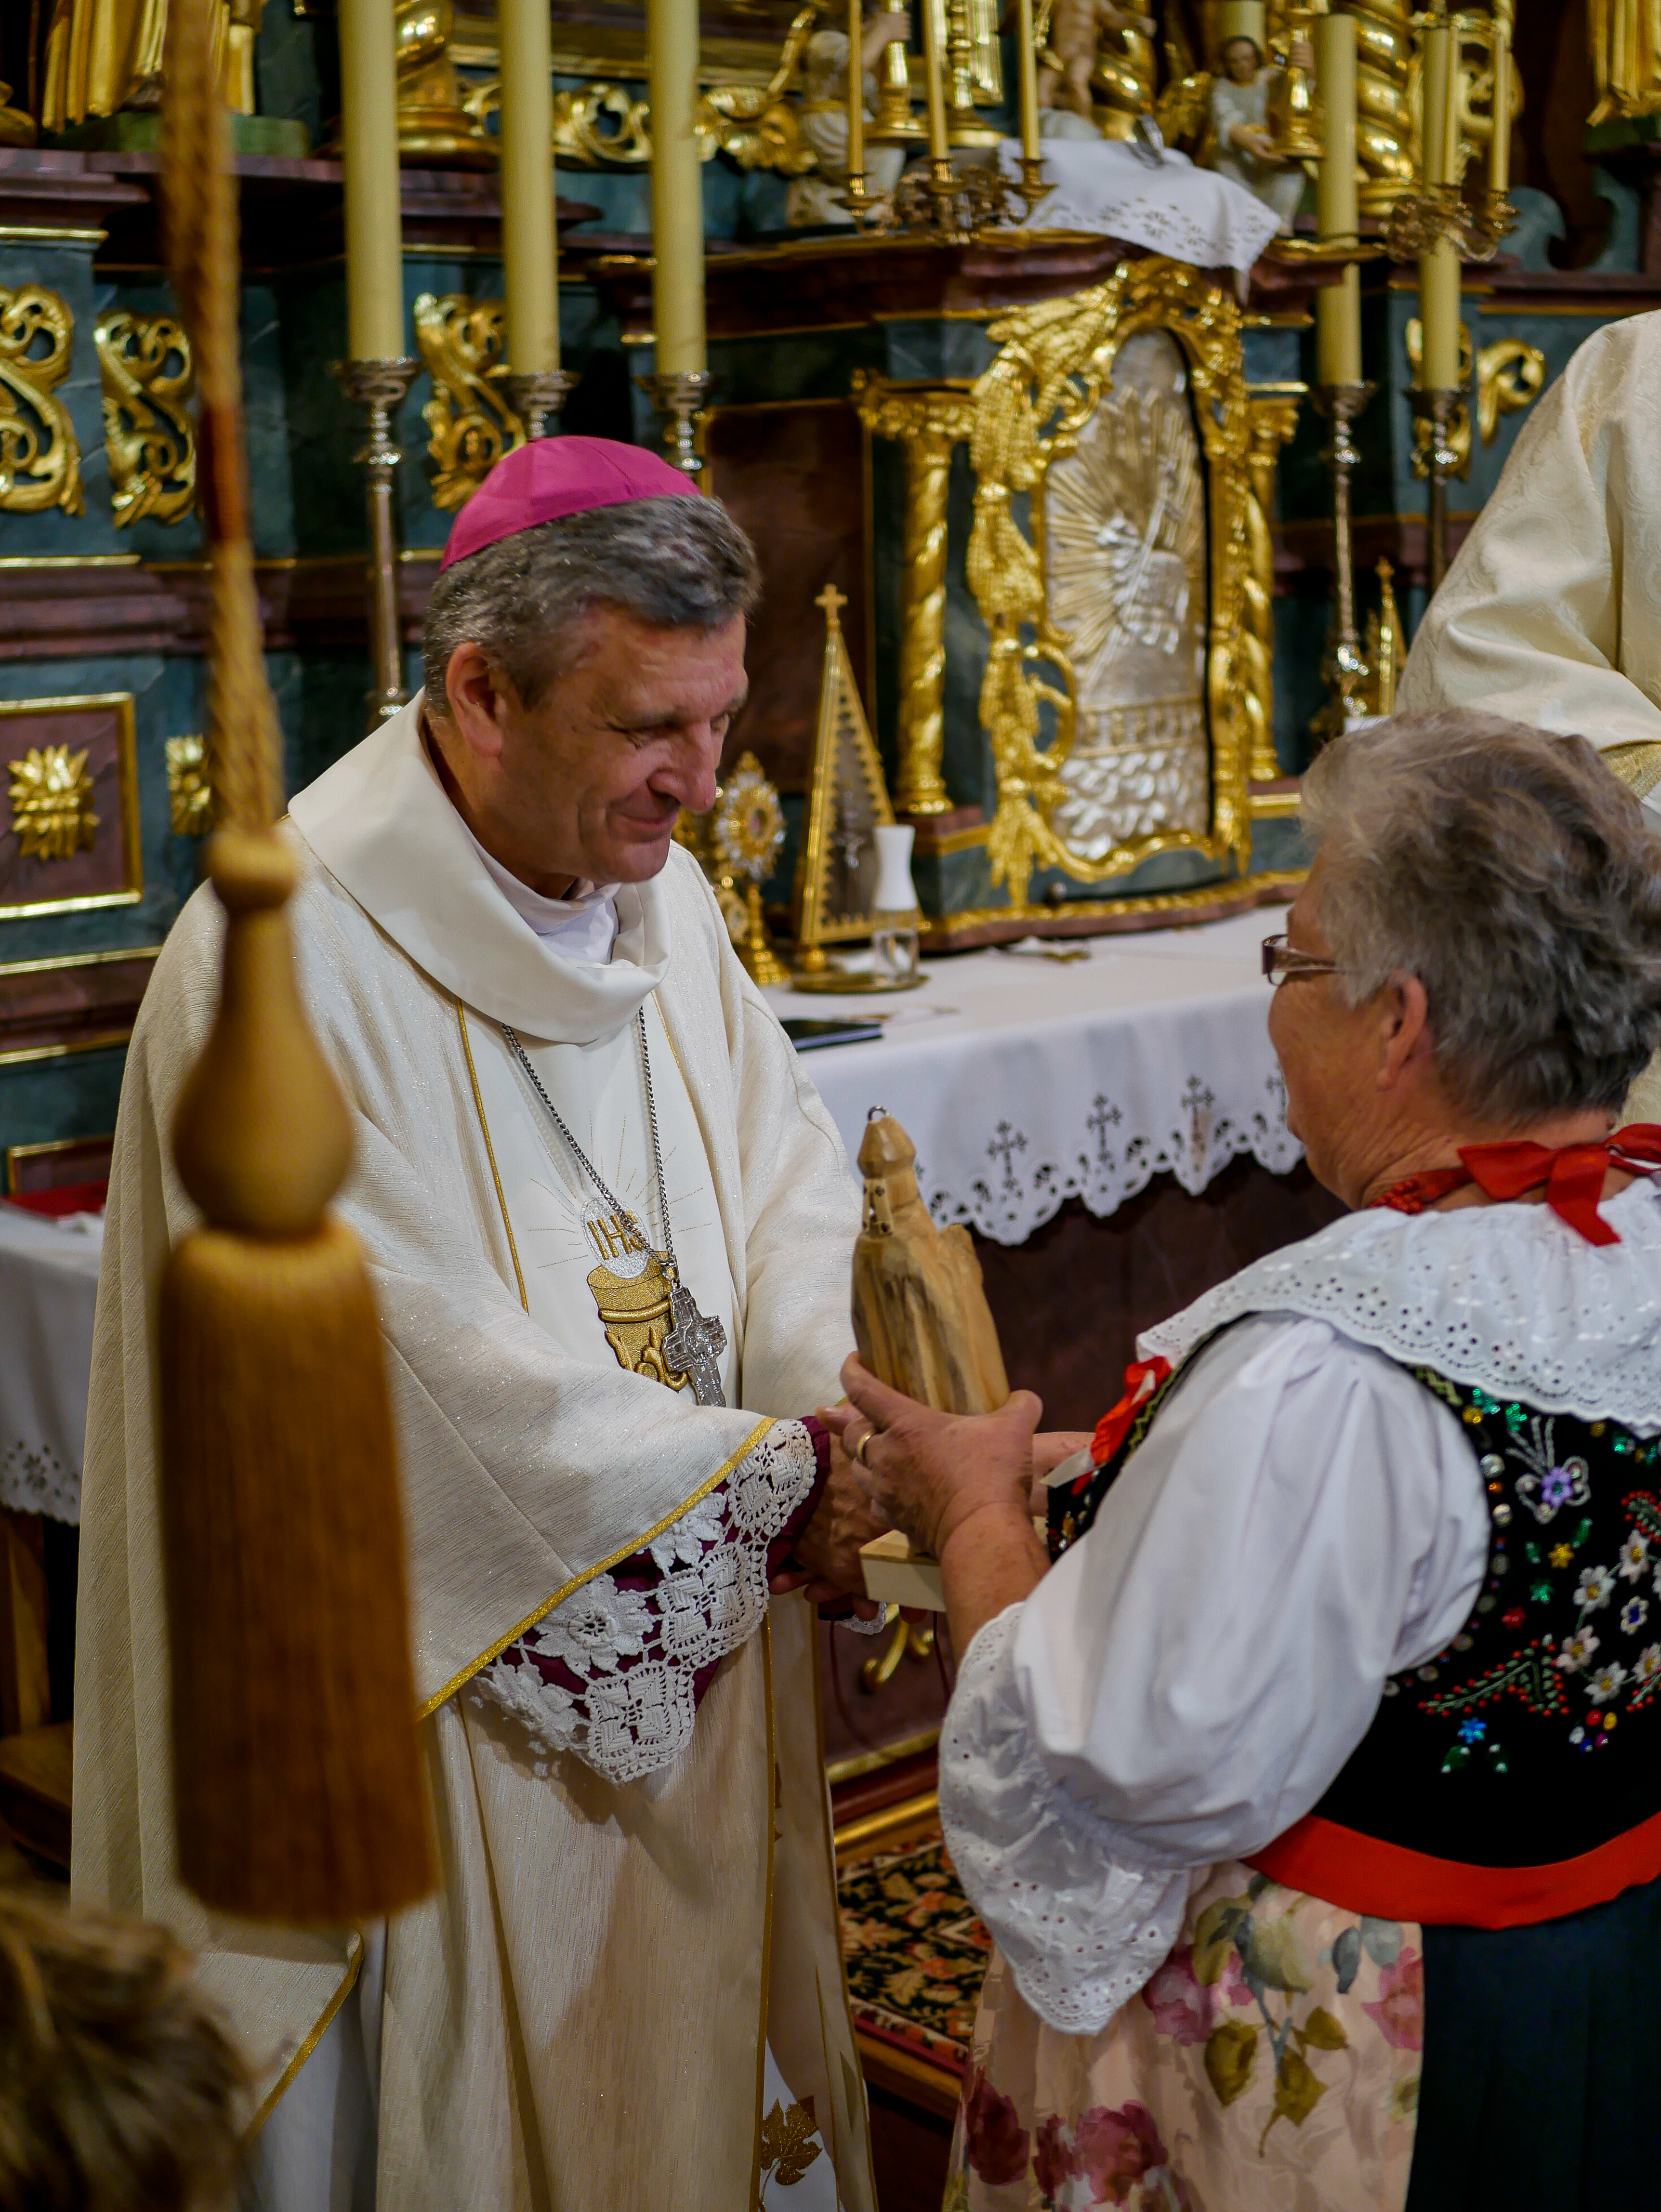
column 668, row 1256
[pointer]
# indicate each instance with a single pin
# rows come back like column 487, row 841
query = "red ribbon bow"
column 1142, row 1378
column 1573, row 1175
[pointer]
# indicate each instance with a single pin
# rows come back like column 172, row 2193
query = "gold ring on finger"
column 861, row 1448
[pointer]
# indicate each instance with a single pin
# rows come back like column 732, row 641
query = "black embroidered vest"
column 1534, row 1736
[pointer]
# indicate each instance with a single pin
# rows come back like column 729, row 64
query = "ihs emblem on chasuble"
column 632, row 1293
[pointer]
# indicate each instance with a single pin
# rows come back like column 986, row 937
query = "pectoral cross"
column 694, row 1346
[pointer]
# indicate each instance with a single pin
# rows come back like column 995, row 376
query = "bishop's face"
column 590, row 780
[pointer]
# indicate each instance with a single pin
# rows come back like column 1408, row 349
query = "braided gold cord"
column 199, row 193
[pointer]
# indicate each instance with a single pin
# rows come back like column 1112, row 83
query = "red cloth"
column 67, row 1198
column 1386, row 1881
column 1573, row 1174
column 554, row 477
column 1142, row 1378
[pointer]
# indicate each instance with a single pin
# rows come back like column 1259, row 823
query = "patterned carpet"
column 917, row 1952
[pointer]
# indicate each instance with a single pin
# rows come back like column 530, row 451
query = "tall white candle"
column 672, row 33
column 369, row 154
column 529, row 245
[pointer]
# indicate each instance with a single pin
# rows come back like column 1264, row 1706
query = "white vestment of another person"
column 1549, row 613
column 634, row 1955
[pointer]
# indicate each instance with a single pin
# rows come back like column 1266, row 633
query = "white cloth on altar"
column 1302, row 1521
column 1188, row 213
column 1549, row 613
column 582, row 2015
column 48, row 1287
column 1026, row 1082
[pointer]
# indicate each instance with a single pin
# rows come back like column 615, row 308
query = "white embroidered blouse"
column 1302, row 1520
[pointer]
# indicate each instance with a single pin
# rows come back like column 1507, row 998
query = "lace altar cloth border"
column 48, row 1290
column 1187, row 213
column 1052, row 1080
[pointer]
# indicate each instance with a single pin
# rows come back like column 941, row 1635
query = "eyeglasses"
column 1281, row 960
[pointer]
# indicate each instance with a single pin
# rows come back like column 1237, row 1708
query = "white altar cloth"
column 48, row 1289
column 1048, row 1081
column 1175, row 209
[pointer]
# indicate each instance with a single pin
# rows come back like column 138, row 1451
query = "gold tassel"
column 298, row 1786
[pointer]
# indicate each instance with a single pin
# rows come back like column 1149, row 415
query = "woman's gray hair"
column 675, row 563
column 1517, row 878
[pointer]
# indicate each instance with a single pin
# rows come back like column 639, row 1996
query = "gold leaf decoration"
column 51, row 803
column 39, row 458
column 190, row 794
column 149, row 380
column 788, row 2145
column 461, row 341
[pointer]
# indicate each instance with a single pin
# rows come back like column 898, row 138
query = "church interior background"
column 1098, row 531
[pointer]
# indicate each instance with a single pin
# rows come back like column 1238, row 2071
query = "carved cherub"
column 1068, row 56
column 1245, row 148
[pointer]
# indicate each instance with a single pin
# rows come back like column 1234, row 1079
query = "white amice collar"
column 380, row 823
column 1504, row 1298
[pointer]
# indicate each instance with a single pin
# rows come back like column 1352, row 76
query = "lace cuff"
column 614, row 1674
column 1082, row 1926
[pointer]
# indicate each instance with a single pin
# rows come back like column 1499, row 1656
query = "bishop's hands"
column 825, row 1557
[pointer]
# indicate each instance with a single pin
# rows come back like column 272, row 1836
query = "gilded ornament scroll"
column 52, row 809
column 471, row 420
column 1509, row 374
column 190, row 793
column 39, row 457
column 1273, row 419
column 150, row 379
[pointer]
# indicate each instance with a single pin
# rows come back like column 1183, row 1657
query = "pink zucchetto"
column 554, row 477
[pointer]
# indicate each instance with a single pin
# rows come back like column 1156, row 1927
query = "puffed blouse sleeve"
column 1302, row 1520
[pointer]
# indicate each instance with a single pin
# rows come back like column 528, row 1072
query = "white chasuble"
column 635, row 1949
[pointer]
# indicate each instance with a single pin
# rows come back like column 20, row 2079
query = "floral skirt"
column 1271, row 2065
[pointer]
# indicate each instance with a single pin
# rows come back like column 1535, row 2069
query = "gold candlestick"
column 671, row 32
column 940, row 152
column 856, row 194
column 894, row 124
column 964, row 126
column 369, row 154
column 530, row 245
column 379, row 387
column 1345, row 668
column 680, row 394
column 536, row 396
column 1438, row 407
column 1031, row 159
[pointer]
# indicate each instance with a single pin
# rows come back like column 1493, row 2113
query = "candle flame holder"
column 680, row 395
column 1345, row 667
column 537, row 396
column 1438, row 406
column 380, row 387
column 952, row 204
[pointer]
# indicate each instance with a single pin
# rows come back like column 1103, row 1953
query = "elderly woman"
column 1311, row 1787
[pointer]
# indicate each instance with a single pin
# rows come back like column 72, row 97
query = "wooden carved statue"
column 922, row 1326
column 921, row 1319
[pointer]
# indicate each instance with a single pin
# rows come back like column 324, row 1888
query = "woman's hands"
column 959, row 1484
column 930, row 1473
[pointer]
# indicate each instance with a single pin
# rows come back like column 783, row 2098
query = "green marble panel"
column 74, row 1095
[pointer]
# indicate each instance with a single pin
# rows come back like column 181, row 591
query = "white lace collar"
column 380, row 823
column 1504, row 1297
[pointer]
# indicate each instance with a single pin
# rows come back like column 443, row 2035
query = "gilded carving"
column 39, row 458
column 148, row 378
column 927, row 421
column 51, row 803
column 1510, row 376
column 604, row 124
column 1386, row 134
column 1032, row 409
column 190, row 793
column 461, row 341
column 1274, row 418
column 1625, row 40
